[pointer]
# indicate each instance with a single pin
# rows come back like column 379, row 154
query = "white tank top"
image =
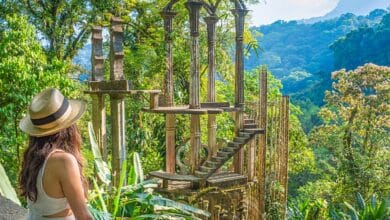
column 46, row 205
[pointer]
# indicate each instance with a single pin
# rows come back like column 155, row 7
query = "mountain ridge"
column 356, row 7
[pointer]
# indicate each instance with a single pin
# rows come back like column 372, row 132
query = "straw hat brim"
column 78, row 108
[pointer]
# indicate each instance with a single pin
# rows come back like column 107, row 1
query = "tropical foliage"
column 338, row 160
column 354, row 135
column 133, row 197
column 24, row 71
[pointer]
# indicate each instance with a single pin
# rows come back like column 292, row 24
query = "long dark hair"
column 68, row 140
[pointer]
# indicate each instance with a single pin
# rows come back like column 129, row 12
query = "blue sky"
column 268, row 11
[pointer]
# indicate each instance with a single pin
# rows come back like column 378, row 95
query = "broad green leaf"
column 353, row 213
column 373, row 201
column 156, row 200
column 6, row 188
column 98, row 215
column 382, row 211
column 100, row 195
column 132, row 177
column 138, row 168
column 119, row 188
column 360, row 201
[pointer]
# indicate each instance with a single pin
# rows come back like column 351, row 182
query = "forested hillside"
column 300, row 54
column 372, row 44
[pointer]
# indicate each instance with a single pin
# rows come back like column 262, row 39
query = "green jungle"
column 336, row 72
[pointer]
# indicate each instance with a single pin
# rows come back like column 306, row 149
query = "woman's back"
column 51, row 201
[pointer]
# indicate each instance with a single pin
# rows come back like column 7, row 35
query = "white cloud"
column 273, row 10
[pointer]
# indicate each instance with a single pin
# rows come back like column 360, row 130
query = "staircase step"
column 210, row 163
column 218, row 159
column 226, row 180
column 254, row 130
column 251, row 125
column 234, row 144
column 244, row 134
column 240, row 140
column 173, row 176
column 206, row 169
column 228, row 149
column 224, row 154
column 200, row 174
column 249, row 121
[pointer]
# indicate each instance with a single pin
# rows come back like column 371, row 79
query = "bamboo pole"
column 216, row 212
column 271, row 151
column 170, row 155
column 117, row 101
column 284, row 173
column 280, row 150
column 275, row 149
column 251, row 160
column 205, row 206
column 211, row 121
column 243, row 215
column 262, row 139
column 254, row 205
column 282, row 165
column 98, row 106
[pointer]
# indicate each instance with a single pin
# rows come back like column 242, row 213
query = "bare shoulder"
column 62, row 158
column 61, row 166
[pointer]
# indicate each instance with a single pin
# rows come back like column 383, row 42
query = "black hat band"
column 53, row 117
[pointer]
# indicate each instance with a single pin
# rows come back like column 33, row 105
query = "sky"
column 268, row 11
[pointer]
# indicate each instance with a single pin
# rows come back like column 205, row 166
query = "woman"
column 51, row 177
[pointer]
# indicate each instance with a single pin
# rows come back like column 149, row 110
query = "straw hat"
column 50, row 112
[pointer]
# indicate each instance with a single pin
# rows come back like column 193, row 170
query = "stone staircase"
column 210, row 166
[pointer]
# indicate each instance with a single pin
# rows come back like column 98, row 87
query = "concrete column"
column 262, row 138
column 170, row 155
column 211, row 123
column 98, row 106
column 193, row 9
column 239, row 15
column 117, row 101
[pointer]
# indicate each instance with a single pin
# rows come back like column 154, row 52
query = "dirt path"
column 11, row 211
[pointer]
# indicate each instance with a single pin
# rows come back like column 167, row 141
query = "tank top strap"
column 46, row 159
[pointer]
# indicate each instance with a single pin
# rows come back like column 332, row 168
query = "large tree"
column 64, row 25
column 24, row 71
column 355, row 134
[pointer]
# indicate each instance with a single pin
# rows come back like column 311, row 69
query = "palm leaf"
column 138, row 168
column 166, row 216
column 128, row 189
column 360, row 201
column 119, row 189
column 6, row 188
column 353, row 214
column 103, row 172
column 156, row 200
column 381, row 212
column 373, row 201
column 132, row 177
column 100, row 196
column 98, row 215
